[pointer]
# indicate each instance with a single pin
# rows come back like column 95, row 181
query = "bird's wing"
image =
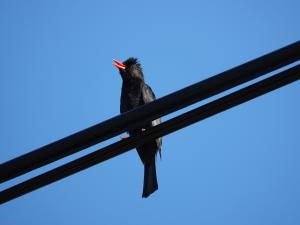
column 149, row 96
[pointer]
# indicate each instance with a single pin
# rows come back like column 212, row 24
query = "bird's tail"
column 150, row 180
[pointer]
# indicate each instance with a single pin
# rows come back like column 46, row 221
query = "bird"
column 135, row 92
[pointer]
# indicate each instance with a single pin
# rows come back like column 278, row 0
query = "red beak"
column 119, row 65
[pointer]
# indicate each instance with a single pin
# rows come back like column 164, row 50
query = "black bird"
column 135, row 92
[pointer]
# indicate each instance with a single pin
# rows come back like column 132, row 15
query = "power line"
column 174, row 124
column 163, row 106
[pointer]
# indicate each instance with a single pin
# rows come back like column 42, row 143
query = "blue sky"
column 56, row 78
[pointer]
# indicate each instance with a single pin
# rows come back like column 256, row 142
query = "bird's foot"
column 123, row 138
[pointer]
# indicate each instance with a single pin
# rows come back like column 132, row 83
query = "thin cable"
column 174, row 124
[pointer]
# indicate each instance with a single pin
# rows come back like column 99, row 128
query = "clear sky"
column 56, row 77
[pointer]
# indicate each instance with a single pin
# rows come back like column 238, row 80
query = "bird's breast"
column 130, row 98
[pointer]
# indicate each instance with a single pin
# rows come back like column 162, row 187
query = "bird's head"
column 130, row 69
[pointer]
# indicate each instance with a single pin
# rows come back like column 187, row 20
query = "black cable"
column 149, row 112
column 165, row 128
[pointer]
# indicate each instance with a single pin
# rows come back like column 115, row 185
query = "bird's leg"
column 123, row 137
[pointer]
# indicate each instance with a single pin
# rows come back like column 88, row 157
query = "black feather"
column 135, row 92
